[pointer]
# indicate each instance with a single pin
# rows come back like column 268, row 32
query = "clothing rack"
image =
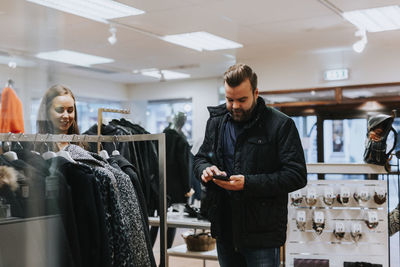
column 100, row 119
column 11, row 137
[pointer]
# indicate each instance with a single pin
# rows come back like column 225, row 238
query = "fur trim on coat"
column 8, row 176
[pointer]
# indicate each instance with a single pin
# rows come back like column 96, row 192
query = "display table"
column 181, row 251
column 174, row 219
column 177, row 220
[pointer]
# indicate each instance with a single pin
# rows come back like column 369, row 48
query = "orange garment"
column 11, row 112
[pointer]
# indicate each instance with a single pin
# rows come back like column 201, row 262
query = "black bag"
column 375, row 151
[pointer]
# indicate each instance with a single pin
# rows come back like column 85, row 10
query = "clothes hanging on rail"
column 11, row 112
column 124, row 211
column 142, row 155
column 177, row 166
column 98, row 203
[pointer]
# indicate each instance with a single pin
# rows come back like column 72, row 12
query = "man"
column 259, row 149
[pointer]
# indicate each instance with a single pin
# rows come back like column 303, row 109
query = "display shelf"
column 176, row 220
column 182, row 251
column 368, row 213
column 348, row 168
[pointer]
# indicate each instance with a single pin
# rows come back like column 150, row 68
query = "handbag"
column 379, row 127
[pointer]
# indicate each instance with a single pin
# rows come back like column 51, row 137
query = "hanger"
column 103, row 153
column 34, row 146
column 115, row 152
column 48, row 154
column 10, row 83
column 10, row 155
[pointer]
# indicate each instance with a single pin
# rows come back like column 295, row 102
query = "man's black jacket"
column 269, row 154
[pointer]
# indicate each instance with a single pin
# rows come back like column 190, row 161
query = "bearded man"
column 257, row 150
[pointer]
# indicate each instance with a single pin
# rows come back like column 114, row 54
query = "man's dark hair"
column 238, row 73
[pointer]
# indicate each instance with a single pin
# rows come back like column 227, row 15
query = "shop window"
column 306, row 126
column 344, row 142
column 87, row 112
column 160, row 114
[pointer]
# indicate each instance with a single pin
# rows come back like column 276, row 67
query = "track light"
column 113, row 38
column 12, row 64
column 360, row 44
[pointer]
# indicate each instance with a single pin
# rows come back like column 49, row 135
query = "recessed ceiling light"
column 74, row 58
column 375, row 19
column 98, row 10
column 201, row 41
column 166, row 74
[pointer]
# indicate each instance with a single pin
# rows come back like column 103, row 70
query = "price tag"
column 25, row 191
column 301, row 216
column 328, row 193
column 380, row 191
column 356, row 228
column 296, row 194
column 339, row 227
column 372, row 217
column 319, row 217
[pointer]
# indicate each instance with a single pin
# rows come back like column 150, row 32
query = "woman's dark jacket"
column 269, row 154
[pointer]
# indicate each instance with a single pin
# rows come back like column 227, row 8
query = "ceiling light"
column 201, row 41
column 360, row 44
column 165, row 74
column 354, row 94
column 98, row 10
column 371, row 106
column 20, row 62
column 113, row 38
column 375, row 19
column 74, row 58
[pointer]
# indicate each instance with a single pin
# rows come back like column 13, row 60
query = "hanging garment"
column 88, row 212
column 120, row 163
column 31, row 193
column 8, row 190
column 147, row 163
column 131, row 246
column 118, row 245
column 177, row 166
column 11, row 112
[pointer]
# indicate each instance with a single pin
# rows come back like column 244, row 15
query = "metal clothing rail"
column 11, row 137
column 100, row 119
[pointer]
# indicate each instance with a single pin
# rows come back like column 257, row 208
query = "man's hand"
column 209, row 172
column 236, row 183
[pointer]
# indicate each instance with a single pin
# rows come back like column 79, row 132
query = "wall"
column 33, row 83
column 204, row 92
column 296, row 71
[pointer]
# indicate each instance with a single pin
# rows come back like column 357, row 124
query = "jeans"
column 247, row 257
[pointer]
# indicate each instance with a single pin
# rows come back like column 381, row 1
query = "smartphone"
column 221, row 177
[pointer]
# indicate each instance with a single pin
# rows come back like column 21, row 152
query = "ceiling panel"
column 264, row 27
column 346, row 5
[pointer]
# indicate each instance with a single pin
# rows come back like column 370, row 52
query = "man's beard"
column 241, row 115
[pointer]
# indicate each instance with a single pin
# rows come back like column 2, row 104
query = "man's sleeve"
column 293, row 172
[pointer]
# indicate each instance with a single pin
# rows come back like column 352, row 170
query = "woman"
column 57, row 114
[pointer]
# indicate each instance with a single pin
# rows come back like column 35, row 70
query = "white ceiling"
column 264, row 27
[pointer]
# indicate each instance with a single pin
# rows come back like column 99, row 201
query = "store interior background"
column 288, row 43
